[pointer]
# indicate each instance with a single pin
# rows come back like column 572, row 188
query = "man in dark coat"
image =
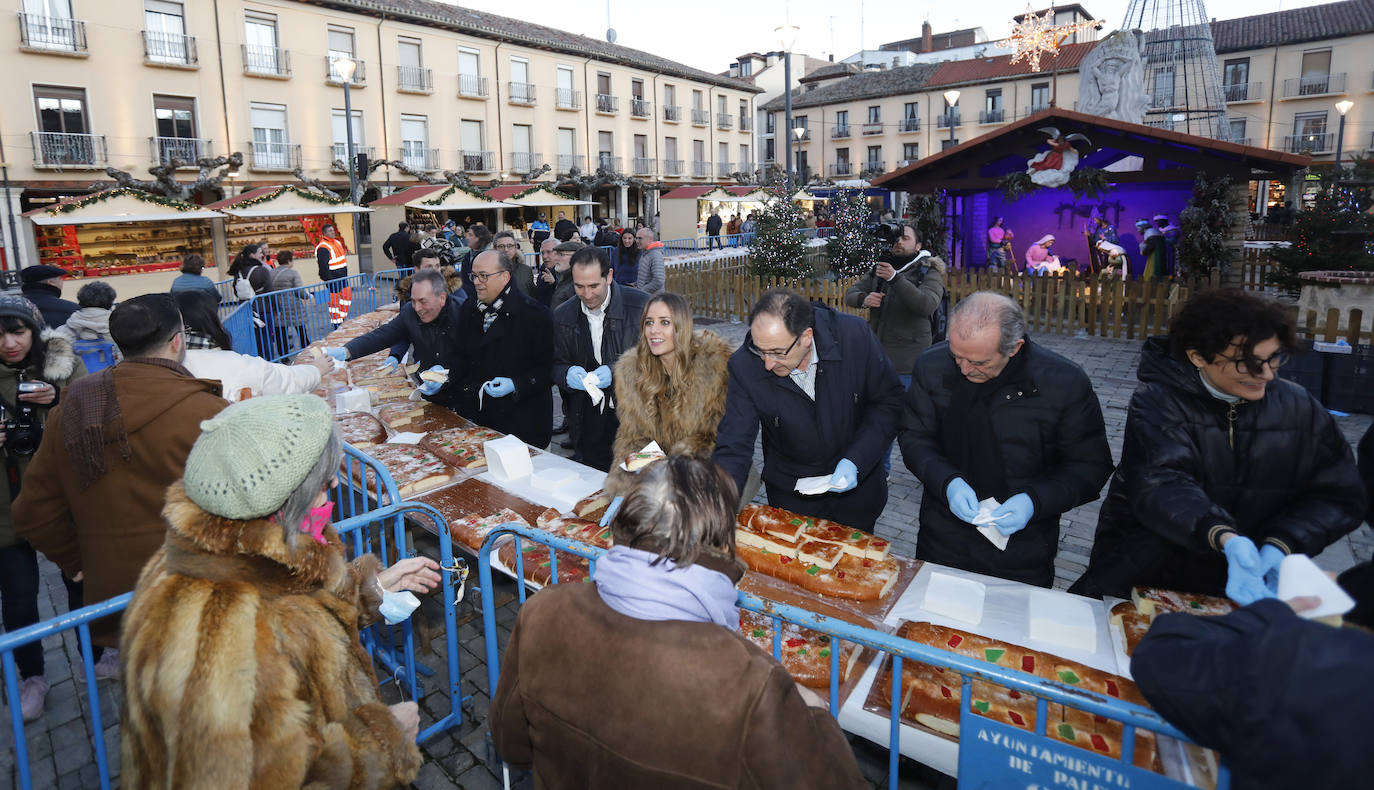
column 1359, row 580
column 398, row 248
column 1239, row 454
column 502, row 378
column 564, row 229
column 43, row 287
column 1286, row 701
column 428, row 323
column 991, row 414
column 713, row 224
column 827, row 399
column 590, row 334
column 901, row 293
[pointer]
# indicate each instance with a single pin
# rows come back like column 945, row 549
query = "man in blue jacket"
column 827, row 399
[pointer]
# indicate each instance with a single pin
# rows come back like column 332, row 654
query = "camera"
column 887, row 232
column 23, row 431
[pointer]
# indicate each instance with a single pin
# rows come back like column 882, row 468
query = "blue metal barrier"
column 724, row 241
column 679, row 246
column 384, row 284
column 297, row 315
column 237, row 318
column 978, row 735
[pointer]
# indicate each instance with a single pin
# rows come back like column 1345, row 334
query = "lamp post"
column 344, row 67
column 799, row 132
column 951, row 99
column 787, row 38
column 1342, row 107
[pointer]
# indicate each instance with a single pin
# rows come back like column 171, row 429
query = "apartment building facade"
column 435, row 87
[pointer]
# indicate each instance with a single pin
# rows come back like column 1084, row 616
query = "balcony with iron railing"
column 701, row 169
column 260, row 61
column 672, row 167
column 946, row 119
column 568, row 162
column 1314, row 85
column 332, row 75
column 725, row 120
column 1035, row 108
column 340, row 153
column 747, row 166
column 672, row 113
column 1243, row 91
column 606, row 104
column 520, row 92
column 1162, row 100
column 992, row 116
column 525, row 162
column 724, row 169
column 873, row 128
column 477, row 161
column 608, row 162
column 567, row 99
column 909, row 125
column 805, row 135
column 901, row 163
column 273, row 157
column 641, row 107
column 700, row 117
column 642, row 165
column 874, row 166
column 55, row 34
column 839, row 132
column 186, row 150
column 417, row 157
column 169, row 49
column 840, row 169
column 746, row 122
column 61, row 150
column 472, row 86
column 414, row 79
column 1318, row 143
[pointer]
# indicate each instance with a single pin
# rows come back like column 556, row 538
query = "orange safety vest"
column 337, row 258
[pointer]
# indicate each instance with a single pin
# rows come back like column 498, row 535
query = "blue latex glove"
column 575, row 375
column 1014, row 514
column 1244, row 572
column 611, row 510
column 603, row 376
column 430, row 387
column 1270, row 557
column 499, row 387
column 962, row 501
column 340, row 353
column 845, row 476
column 391, row 365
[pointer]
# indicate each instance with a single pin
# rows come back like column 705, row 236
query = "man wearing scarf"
column 992, row 415
column 93, row 494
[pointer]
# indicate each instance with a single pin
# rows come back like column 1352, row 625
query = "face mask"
column 315, row 523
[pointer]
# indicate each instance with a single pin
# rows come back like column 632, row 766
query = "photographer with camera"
column 34, row 364
column 903, row 294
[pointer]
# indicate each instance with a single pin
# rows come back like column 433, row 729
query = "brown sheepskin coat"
column 683, row 419
column 241, row 664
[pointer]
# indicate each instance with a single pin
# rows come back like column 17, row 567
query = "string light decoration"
column 853, row 246
column 1035, row 36
column 779, row 248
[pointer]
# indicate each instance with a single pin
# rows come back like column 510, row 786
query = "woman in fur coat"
column 240, row 658
column 671, row 388
column 35, row 355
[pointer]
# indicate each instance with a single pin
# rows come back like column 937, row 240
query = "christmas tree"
column 779, row 248
column 1333, row 233
column 1203, row 229
column 853, row 246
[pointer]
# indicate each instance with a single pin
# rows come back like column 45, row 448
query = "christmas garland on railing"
column 439, row 199
column 1089, row 182
column 137, row 194
column 276, row 193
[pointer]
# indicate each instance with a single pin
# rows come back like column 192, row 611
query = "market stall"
column 389, row 212
column 534, row 200
column 121, row 231
column 682, row 212
column 458, row 203
column 286, row 217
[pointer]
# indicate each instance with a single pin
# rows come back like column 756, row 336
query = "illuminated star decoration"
column 1035, row 35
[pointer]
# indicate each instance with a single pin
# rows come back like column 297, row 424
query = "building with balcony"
column 435, row 87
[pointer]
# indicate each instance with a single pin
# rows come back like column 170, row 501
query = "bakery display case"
column 102, row 249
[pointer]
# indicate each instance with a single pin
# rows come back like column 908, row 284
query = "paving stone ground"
column 59, row 744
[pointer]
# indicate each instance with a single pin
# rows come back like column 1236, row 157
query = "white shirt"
column 806, row 379
column 596, row 322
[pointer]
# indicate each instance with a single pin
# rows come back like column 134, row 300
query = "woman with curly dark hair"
column 1226, row 468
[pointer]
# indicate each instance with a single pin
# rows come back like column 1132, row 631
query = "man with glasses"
column 590, row 334
column 521, row 273
column 1225, row 468
column 992, row 415
column 826, row 397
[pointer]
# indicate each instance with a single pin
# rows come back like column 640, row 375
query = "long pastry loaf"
column 805, row 653
column 815, row 554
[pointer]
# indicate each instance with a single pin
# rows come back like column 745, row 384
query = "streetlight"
column 787, row 38
column 799, row 132
column 344, row 67
column 951, row 99
column 1342, row 107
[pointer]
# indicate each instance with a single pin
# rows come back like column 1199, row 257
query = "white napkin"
column 811, row 486
column 955, row 596
column 1299, row 575
column 984, row 522
column 406, row 438
column 598, row 397
column 482, row 393
column 508, row 458
column 651, row 447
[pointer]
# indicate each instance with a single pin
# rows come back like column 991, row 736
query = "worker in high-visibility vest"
column 333, row 262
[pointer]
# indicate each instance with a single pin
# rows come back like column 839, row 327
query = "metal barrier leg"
column 83, row 633
column 21, row 746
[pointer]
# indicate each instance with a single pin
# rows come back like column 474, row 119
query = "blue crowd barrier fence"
column 991, row 754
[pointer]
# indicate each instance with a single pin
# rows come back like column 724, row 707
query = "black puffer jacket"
column 1053, row 445
column 1290, row 478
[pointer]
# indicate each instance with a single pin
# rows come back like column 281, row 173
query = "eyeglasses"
column 482, row 277
column 773, row 355
column 508, row 246
column 1254, row 365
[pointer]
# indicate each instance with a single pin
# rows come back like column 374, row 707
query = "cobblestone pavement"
column 59, row 744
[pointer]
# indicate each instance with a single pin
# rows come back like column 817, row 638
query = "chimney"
column 927, row 43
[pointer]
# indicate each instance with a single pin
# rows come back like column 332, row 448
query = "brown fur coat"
column 451, row 279
column 241, row 664
column 684, row 418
